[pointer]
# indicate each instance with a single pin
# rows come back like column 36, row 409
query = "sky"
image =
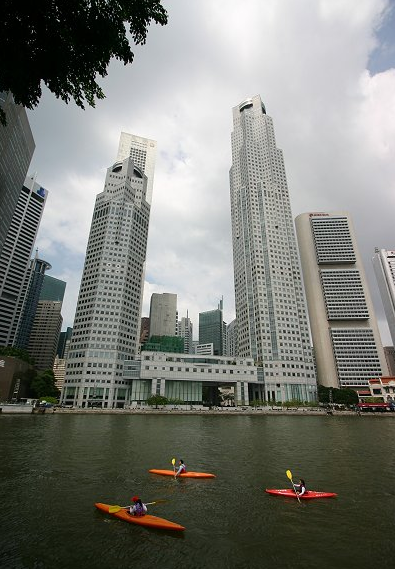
column 325, row 70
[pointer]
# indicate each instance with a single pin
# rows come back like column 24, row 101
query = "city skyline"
column 335, row 123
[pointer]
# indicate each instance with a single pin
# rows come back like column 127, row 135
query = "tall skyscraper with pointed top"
column 272, row 324
column 106, row 328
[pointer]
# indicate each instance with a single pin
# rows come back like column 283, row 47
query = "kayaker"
column 138, row 508
column 181, row 468
column 300, row 488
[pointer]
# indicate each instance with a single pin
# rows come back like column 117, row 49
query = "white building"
column 107, row 322
column 272, row 323
column 185, row 330
column 183, row 377
column 384, row 268
column 163, row 314
column 347, row 345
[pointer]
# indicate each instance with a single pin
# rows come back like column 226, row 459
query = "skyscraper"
column 185, row 330
column 106, row 328
column 384, row 268
column 15, row 257
column 163, row 314
column 16, row 151
column 47, row 323
column 272, row 325
column 212, row 329
column 347, row 345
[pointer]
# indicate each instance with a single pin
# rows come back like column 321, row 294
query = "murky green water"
column 53, row 468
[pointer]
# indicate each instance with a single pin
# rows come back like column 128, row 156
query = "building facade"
column 347, row 345
column 384, row 268
column 16, row 151
column 212, row 328
column 272, row 323
column 185, row 331
column 15, row 257
column 163, row 314
column 106, row 328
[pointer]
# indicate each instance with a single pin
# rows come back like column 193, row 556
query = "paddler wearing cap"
column 138, row 508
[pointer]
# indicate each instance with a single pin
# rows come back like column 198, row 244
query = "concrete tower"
column 272, row 323
column 106, row 328
column 163, row 314
column 347, row 345
column 384, row 268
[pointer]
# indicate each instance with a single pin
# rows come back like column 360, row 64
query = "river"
column 53, row 468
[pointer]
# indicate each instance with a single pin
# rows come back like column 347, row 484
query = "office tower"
column 143, row 153
column 30, row 297
column 64, row 343
column 15, row 257
column 144, row 330
column 44, row 336
column 106, row 328
column 272, row 324
column 346, row 339
column 163, row 314
column 384, row 268
column 185, row 331
column 211, row 329
column 47, row 324
column 16, row 151
column 231, row 338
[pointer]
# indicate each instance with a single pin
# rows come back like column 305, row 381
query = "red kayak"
column 309, row 495
column 183, row 475
column 147, row 520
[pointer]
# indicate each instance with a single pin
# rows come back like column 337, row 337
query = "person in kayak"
column 300, row 488
column 181, row 468
column 138, row 508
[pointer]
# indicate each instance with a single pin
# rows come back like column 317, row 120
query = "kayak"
column 147, row 520
column 184, row 475
column 309, row 495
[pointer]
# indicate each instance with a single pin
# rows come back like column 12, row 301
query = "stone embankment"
column 268, row 411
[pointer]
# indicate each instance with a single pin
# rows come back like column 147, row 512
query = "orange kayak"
column 147, row 520
column 184, row 475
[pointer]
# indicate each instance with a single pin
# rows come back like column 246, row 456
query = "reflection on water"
column 53, row 468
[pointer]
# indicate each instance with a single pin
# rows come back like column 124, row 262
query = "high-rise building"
column 44, row 336
column 106, row 328
column 29, row 299
column 64, row 343
column 47, row 324
column 384, row 268
column 144, row 330
column 211, row 329
column 231, row 338
column 347, row 345
column 272, row 323
column 16, row 151
column 15, row 257
column 185, row 330
column 163, row 314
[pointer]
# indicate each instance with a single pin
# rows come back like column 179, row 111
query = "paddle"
column 289, row 475
column 173, row 461
column 115, row 509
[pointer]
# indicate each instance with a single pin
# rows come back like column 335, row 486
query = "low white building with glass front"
column 184, row 377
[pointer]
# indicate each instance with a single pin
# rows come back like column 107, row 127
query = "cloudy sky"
column 325, row 70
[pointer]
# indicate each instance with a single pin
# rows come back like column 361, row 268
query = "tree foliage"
column 340, row 396
column 16, row 353
column 68, row 43
column 43, row 385
column 157, row 400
